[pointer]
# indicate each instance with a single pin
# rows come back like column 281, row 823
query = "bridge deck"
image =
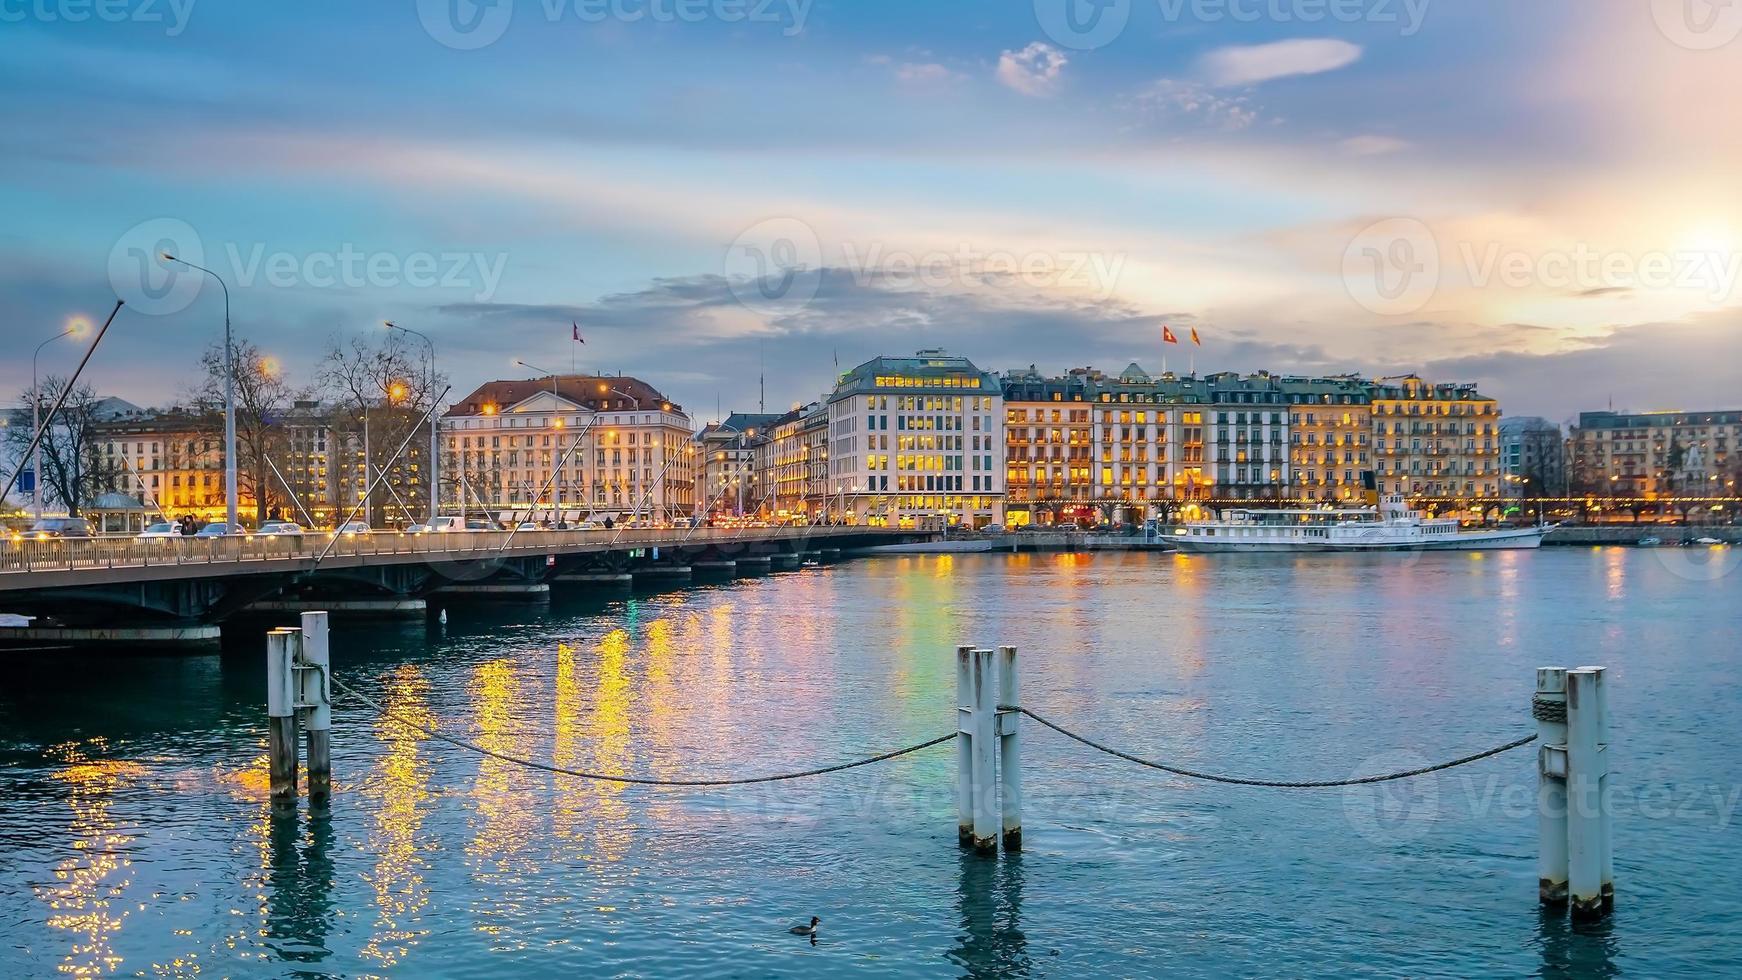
column 32, row 565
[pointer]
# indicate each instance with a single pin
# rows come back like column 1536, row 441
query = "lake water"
column 136, row 839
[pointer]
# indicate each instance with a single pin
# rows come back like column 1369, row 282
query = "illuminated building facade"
column 727, row 454
column 1647, row 454
column 1330, row 436
column 917, row 442
column 1435, row 440
column 507, row 441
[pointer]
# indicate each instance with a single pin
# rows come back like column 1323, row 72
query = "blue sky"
column 1539, row 197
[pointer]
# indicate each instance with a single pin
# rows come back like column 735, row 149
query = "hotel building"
column 1435, row 440
column 916, row 442
column 1648, row 454
column 507, row 442
column 727, row 453
column 1330, row 435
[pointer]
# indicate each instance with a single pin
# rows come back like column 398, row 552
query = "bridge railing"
column 68, row 554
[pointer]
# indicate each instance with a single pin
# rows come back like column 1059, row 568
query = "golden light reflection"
column 84, row 900
column 399, row 781
column 1615, row 572
column 505, row 825
column 607, row 732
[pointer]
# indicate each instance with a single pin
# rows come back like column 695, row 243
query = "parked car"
column 280, row 528
column 162, row 529
column 59, row 527
column 218, row 529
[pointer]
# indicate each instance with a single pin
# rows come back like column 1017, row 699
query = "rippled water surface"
column 135, row 837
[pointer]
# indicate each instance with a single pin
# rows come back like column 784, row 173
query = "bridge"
column 177, row 591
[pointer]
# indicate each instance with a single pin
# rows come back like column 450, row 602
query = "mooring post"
column 1587, row 766
column 1550, row 711
column 281, row 646
column 985, row 745
column 965, row 746
column 317, row 694
column 1606, row 872
column 1009, row 750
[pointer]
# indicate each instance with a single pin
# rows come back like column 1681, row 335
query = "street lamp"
column 77, row 328
column 433, row 461
column 229, row 394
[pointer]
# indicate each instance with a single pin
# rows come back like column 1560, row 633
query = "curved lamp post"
column 75, row 330
column 229, row 394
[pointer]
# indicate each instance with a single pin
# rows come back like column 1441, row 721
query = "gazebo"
column 117, row 513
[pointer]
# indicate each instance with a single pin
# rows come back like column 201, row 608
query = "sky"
column 735, row 196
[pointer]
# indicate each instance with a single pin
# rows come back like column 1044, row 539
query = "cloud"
column 1168, row 98
column 1263, row 62
column 1372, row 146
column 1035, row 70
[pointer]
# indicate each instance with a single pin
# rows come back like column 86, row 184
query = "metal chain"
column 636, row 780
column 1543, row 709
column 1242, row 781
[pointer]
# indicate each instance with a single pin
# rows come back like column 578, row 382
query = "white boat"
column 1391, row 527
column 1650, row 541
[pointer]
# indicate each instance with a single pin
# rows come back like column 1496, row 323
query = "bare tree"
column 264, row 397
column 73, row 471
column 381, row 386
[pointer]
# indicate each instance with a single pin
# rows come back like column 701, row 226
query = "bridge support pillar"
column 752, row 564
column 718, row 567
column 394, row 608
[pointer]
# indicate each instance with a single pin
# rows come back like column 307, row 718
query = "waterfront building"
column 507, row 441
column 1048, row 456
column 1533, row 457
column 1650, row 454
column 1435, row 440
column 916, row 442
column 172, row 460
column 1249, row 436
column 786, row 458
column 1330, row 435
column 727, row 469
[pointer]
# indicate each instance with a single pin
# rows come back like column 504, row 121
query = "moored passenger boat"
column 1390, row 527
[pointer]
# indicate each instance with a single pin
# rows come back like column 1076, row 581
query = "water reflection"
column 1578, row 952
column 504, row 824
column 299, row 883
column 398, row 785
column 85, row 900
column 989, row 903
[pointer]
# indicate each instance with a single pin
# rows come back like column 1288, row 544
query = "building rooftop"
column 927, row 370
column 599, row 393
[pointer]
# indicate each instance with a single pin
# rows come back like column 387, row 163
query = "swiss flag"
column 577, row 331
column 1167, row 335
column 1195, row 339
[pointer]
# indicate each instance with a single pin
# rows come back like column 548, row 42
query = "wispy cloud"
column 1035, row 70
column 1280, row 59
column 1167, row 98
column 1372, row 146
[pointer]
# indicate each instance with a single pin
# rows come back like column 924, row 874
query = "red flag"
column 1167, row 336
column 1195, row 339
column 577, row 331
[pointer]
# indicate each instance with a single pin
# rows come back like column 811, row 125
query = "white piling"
column 1551, row 801
column 317, row 694
column 964, row 746
column 985, row 758
column 1606, row 871
column 1587, row 768
column 1009, row 750
column 281, row 649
